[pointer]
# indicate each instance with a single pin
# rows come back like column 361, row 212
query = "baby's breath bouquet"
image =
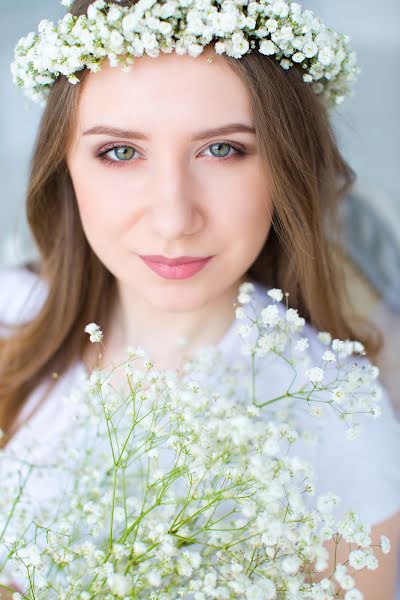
column 185, row 483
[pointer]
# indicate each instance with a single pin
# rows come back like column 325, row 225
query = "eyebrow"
column 139, row 135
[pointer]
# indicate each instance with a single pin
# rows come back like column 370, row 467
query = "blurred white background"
column 367, row 125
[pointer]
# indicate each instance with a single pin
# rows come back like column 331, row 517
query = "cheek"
column 250, row 210
column 103, row 214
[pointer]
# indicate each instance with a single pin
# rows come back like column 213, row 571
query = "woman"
column 229, row 162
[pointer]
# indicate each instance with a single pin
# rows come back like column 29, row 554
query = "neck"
column 135, row 322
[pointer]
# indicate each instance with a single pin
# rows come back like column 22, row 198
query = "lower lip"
column 182, row 271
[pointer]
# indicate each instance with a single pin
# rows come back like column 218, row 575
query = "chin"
column 177, row 299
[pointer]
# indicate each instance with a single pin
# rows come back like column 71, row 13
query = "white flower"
column 292, row 316
column 114, row 13
column 96, row 335
column 298, row 57
column 324, row 337
column 67, row 3
column 291, row 565
column 294, row 34
column 116, row 41
column 385, row 544
column 347, row 582
column 120, row 585
column 328, row 356
column 276, row 294
column 310, row 49
column 267, row 47
column 73, row 79
column 270, row 315
column 154, row 578
column 315, row 374
column 371, row 562
column 301, row 345
column 353, row 595
column 280, row 8
column 244, row 298
column 337, row 345
column 339, row 395
column 247, row 287
column 220, row 47
column 357, row 559
column 359, row 347
column 316, row 411
column 326, row 56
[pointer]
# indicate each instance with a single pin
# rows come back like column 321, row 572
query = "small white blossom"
column 354, row 595
column 357, row 559
column 301, row 345
column 324, row 337
column 292, row 316
column 120, row 585
column 276, row 294
column 316, row 411
column 96, row 335
column 339, row 395
column 268, row 47
column 371, row 562
column 270, row 315
column 385, row 544
column 315, row 375
column 298, row 57
column 244, row 298
column 328, row 356
column 294, row 35
column 291, row 565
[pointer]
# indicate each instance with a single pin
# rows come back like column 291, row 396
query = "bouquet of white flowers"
column 185, row 484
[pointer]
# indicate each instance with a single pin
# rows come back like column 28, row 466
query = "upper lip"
column 179, row 260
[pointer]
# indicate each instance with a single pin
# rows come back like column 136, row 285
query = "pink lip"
column 186, row 267
column 180, row 260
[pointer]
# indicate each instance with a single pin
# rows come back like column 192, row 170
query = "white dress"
column 364, row 472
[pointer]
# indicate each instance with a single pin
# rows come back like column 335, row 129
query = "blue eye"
column 125, row 154
column 219, row 146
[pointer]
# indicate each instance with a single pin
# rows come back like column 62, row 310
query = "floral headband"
column 121, row 33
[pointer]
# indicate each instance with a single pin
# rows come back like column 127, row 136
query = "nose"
column 174, row 207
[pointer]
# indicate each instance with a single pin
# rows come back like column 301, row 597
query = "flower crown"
column 274, row 27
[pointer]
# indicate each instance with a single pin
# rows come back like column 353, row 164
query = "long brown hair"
column 302, row 254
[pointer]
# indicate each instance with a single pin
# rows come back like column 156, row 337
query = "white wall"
column 368, row 125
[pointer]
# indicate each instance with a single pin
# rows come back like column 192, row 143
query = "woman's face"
column 151, row 178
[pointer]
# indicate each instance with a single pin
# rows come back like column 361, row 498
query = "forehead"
column 169, row 89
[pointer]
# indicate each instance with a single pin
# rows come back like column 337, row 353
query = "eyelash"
column 117, row 163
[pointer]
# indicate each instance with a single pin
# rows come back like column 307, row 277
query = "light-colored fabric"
column 364, row 472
